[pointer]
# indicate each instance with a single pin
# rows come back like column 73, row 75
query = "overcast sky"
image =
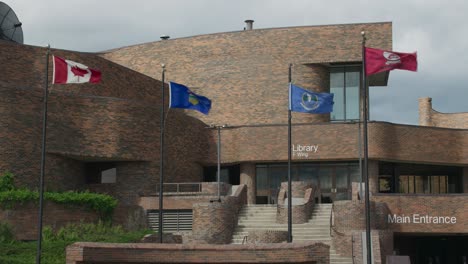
column 437, row 30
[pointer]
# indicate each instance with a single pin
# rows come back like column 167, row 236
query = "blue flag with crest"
column 301, row 100
column 181, row 97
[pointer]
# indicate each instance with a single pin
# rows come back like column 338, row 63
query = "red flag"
column 382, row 60
column 67, row 71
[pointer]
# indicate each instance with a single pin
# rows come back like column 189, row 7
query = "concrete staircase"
column 263, row 217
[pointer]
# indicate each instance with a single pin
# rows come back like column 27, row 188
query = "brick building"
column 105, row 138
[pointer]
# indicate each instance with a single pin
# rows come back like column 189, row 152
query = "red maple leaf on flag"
column 77, row 71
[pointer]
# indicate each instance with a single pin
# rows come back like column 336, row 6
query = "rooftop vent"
column 248, row 24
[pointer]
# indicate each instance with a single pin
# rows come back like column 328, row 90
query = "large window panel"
column 344, row 84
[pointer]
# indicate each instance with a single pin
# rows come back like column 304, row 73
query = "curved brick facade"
column 116, row 120
column 246, row 72
column 430, row 117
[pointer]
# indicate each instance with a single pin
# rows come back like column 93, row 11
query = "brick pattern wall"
column 115, row 120
column 340, row 142
column 349, row 217
column 248, row 177
column 214, row 222
column 146, row 253
column 267, row 236
column 382, row 245
column 130, row 217
column 24, row 218
column 430, row 117
column 221, row 66
column 300, row 212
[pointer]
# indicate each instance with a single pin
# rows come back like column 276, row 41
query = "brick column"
column 425, row 109
column 247, row 177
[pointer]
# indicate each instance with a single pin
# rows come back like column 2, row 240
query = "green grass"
column 54, row 244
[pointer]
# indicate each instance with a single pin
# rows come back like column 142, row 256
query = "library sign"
column 421, row 219
column 303, row 151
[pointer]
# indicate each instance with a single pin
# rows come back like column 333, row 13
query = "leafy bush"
column 54, row 244
column 6, row 182
column 6, row 235
column 9, row 196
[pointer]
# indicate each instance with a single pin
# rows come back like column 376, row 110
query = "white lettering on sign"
column 303, row 150
column 420, row 219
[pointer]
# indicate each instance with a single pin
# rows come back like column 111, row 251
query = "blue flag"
column 181, row 97
column 301, row 100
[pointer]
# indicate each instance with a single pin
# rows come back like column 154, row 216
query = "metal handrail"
column 331, row 216
column 195, row 187
column 244, row 239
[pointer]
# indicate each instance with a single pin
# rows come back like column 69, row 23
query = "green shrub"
column 6, row 182
column 54, row 244
column 9, row 196
column 6, row 234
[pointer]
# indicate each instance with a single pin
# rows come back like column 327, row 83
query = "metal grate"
column 173, row 220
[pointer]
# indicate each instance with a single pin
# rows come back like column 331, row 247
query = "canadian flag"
column 67, row 71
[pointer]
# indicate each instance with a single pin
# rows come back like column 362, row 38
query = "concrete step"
column 283, row 227
column 296, row 234
column 327, row 242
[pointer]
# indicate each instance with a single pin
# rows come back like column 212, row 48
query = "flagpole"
column 289, row 161
column 366, row 150
column 161, row 164
column 41, row 180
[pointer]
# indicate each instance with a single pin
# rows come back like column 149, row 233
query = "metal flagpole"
column 161, row 166
column 219, row 161
column 41, row 181
column 289, row 162
column 366, row 151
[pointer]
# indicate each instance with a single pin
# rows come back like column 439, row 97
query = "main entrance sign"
column 420, row 219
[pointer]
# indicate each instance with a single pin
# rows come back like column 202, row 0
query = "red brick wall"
column 430, row 117
column 145, row 253
column 350, row 215
column 241, row 68
column 340, row 142
column 300, row 212
column 115, row 120
column 382, row 245
column 214, row 222
column 24, row 218
column 267, row 236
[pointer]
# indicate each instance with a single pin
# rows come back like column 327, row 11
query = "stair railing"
column 331, row 219
column 244, row 240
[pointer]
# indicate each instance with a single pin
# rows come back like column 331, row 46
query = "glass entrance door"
column 333, row 181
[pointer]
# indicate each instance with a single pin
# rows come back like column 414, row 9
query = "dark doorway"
column 229, row 174
column 433, row 248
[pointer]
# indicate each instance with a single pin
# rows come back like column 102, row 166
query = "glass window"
column 309, row 173
column 341, row 177
column 344, row 84
column 325, row 177
column 385, row 184
column 261, row 178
